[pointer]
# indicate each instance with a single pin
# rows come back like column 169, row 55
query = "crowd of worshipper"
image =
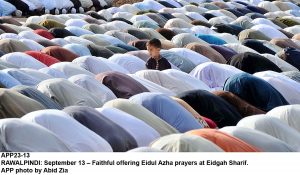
column 39, row 7
column 152, row 76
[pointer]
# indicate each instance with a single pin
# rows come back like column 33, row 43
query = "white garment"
column 78, row 31
column 269, row 6
column 31, row 35
column 53, row 17
column 37, row 74
column 191, row 8
column 128, row 62
column 288, row 114
column 184, row 39
column 98, row 65
column 6, row 8
column 31, row 6
column 149, row 5
column 37, row 3
column 217, row 20
column 86, row 3
column 129, row 8
column 258, row 21
column 273, row 127
column 95, row 87
column 23, row 77
column 60, row 41
column 17, row 135
column 76, row 136
column 182, row 16
column 193, row 56
column 113, row 10
column 34, row 19
column 178, row 23
column 214, row 75
column 239, row 48
column 229, row 38
column 269, row 31
column 126, row 15
column 283, row 65
column 48, row 4
column 116, row 25
column 294, row 29
column 289, row 88
column 78, row 40
column 152, row 87
column 76, row 22
column 53, row 72
column 107, row 15
column 136, row 18
column 32, row 44
column 142, row 132
column 66, row 93
column 202, row 30
column 262, row 141
column 60, row 4
column 164, row 80
column 187, row 79
column 185, row 143
column 70, row 69
column 22, row 60
column 196, row 16
column 125, row 37
column 10, row 36
column 110, row 39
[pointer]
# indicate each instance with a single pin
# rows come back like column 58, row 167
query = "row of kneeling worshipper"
column 78, row 82
column 38, row 7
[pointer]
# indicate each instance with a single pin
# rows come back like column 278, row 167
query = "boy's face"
column 153, row 51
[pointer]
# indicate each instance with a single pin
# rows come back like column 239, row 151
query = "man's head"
column 153, row 47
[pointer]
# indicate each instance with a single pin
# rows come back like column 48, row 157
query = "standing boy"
column 156, row 61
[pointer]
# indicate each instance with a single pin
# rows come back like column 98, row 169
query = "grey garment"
column 138, row 33
column 15, row 105
column 38, row 96
column 95, row 87
column 66, row 93
column 11, row 45
column 245, row 24
column 260, row 140
column 100, row 51
column 183, row 64
column 294, row 75
column 96, row 40
column 97, row 29
column 157, row 18
column 5, row 65
column 23, row 77
column 17, row 135
column 70, row 69
column 34, row 26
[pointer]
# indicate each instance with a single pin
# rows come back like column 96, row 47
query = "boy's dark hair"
column 154, row 42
